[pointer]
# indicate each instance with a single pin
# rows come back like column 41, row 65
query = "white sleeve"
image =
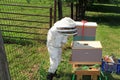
column 53, row 39
column 65, row 38
column 50, row 38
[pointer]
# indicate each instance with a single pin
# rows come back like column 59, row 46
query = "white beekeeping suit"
column 56, row 38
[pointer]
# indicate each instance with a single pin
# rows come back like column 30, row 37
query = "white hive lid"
column 87, row 24
column 86, row 44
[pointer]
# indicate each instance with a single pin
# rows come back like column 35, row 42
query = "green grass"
column 23, row 10
column 30, row 61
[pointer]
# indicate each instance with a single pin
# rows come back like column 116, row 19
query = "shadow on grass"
column 64, row 75
column 69, row 76
column 110, row 77
column 111, row 20
column 86, row 77
column 21, row 41
column 104, row 9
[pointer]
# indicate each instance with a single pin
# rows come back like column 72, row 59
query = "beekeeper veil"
column 66, row 26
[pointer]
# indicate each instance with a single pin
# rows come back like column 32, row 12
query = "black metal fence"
column 24, row 29
column 19, row 21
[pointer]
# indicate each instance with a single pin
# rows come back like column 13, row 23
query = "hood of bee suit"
column 66, row 26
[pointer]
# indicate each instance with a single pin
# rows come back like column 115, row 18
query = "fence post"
column 55, row 3
column 50, row 17
column 72, row 5
column 60, row 13
column 4, row 71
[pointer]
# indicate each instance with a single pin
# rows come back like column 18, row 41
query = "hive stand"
column 94, row 73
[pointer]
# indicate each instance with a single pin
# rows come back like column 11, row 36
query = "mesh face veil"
column 66, row 26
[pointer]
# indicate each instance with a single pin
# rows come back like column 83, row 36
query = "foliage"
column 103, row 1
column 28, row 1
column 116, row 2
column 70, row 0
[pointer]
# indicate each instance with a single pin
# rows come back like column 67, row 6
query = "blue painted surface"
column 85, row 38
column 111, row 68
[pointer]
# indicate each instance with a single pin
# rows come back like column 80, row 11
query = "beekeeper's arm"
column 54, row 39
column 64, row 40
column 50, row 36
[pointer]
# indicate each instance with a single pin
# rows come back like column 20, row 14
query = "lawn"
column 31, row 61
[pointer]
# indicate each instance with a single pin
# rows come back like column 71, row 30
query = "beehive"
column 86, row 31
column 86, row 52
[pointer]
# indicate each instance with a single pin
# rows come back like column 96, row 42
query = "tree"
column 60, row 13
column 80, row 8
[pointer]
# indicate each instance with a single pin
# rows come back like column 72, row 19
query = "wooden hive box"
column 86, row 31
column 86, row 52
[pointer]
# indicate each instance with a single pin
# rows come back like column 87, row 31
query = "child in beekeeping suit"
column 56, row 38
